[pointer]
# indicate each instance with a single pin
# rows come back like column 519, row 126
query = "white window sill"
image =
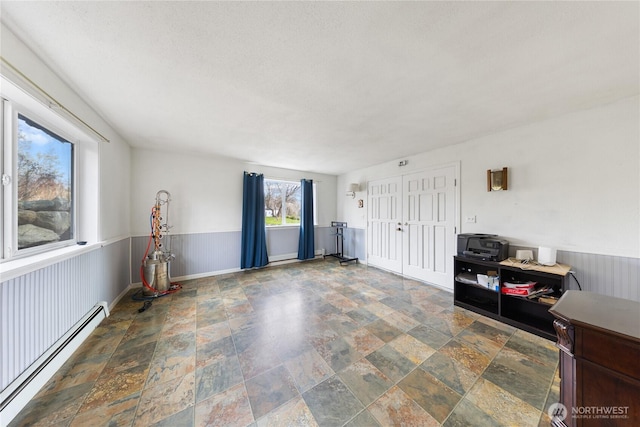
column 13, row 268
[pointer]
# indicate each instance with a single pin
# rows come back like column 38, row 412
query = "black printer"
column 487, row 247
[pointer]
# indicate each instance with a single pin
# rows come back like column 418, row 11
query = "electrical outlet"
column 471, row 219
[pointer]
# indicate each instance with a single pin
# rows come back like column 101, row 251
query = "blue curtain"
column 254, row 240
column 306, row 244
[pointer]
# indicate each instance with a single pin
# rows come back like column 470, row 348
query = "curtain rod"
column 277, row 178
column 53, row 103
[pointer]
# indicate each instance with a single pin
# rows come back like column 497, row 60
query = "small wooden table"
column 599, row 339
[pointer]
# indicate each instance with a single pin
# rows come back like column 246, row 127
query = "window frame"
column 284, row 224
column 11, row 112
column 85, row 173
column 283, row 210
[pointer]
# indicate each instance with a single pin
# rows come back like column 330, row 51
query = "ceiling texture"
column 331, row 87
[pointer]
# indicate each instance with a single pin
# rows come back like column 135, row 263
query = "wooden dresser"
column 599, row 339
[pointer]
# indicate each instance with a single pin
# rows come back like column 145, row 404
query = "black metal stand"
column 340, row 226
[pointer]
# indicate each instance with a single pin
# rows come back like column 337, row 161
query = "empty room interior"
column 320, row 213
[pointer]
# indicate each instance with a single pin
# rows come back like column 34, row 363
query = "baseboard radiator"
column 22, row 389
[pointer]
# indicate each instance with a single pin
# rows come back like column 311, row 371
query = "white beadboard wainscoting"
column 40, row 310
column 614, row 276
column 202, row 254
column 610, row 275
column 355, row 243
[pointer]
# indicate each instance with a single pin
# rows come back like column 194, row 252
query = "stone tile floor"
column 303, row 344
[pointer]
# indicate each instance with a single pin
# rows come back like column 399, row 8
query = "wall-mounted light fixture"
column 353, row 188
column 497, row 180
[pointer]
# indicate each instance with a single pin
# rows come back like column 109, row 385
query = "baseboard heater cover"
column 18, row 394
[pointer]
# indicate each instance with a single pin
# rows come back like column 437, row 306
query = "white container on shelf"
column 546, row 256
column 524, row 255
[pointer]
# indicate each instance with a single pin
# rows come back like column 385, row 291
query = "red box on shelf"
column 523, row 292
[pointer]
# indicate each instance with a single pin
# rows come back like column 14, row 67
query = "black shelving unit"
column 521, row 312
column 339, row 233
column 472, row 296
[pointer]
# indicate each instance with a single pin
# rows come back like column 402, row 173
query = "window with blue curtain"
column 254, row 240
column 306, row 244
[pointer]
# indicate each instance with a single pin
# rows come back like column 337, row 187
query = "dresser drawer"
column 609, row 351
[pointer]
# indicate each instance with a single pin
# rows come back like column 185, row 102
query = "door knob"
column 398, row 229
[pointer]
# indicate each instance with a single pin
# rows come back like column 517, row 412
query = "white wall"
column 206, row 190
column 574, row 182
column 115, row 189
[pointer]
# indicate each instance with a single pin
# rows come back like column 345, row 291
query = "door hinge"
column 455, row 182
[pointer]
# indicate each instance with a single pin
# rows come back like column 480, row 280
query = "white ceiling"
column 331, row 86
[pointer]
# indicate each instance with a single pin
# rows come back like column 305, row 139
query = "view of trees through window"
column 45, row 165
column 281, row 202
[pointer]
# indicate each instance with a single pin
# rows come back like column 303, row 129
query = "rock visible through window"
column 44, row 185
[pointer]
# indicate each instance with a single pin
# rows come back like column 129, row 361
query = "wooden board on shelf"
column 559, row 269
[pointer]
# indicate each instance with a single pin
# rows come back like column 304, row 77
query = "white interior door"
column 429, row 222
column 412, row 225
column 384, row 242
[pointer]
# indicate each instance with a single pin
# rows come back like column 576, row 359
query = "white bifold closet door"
column 384, row 233
column 412, row 225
